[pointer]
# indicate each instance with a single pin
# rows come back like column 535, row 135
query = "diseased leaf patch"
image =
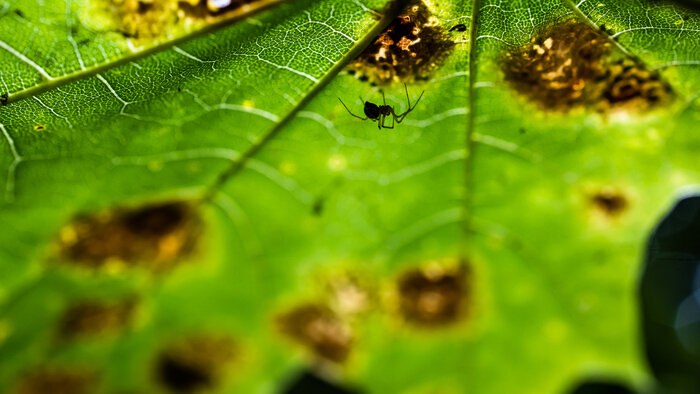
column 568, row 65
column 145, row 19
column 157, row 236
column 319, row 329
column 630, row 85
column 194, row 364
column 350, row 295
column 433, row 296
column 210, row 8
column 92, row 318
column 408, row 50
column 57, row 380
column 609, row 201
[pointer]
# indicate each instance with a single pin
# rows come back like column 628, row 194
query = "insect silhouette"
column 380, row 113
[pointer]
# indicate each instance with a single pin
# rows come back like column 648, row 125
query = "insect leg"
column 350, row 112
column 399, row 118
column 407, row 97
column 393, row 118
column 419, row 97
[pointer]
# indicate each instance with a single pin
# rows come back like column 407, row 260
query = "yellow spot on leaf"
column 288, row 167
column 337, row 163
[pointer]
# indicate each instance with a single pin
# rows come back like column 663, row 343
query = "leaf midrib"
column 389, row 14
column 469, row 143
column 585, row 19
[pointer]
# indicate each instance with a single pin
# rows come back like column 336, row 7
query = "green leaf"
column 62, row 41
column 529, row 220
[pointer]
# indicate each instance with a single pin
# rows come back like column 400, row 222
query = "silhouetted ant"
column 379, row 113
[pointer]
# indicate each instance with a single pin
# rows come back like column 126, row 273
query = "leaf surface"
column 297, row 195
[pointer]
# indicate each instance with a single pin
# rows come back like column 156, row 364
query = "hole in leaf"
column 195, row 364
column 57, row 381
column 319, row 329
column 410, row 48
column 90, row 318
column 433, row 296
column 157, row 235
column 567, row 65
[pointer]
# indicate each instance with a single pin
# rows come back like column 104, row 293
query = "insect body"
column 380, row 113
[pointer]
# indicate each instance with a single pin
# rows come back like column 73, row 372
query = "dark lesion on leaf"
column 57, row 380
column 92, row 318
column 569, row 65
column 435, row 295
column 609, row 201
column 410, row 49
column 156, row 236
column 461, row 27
column 195, row 363
column 629, row 84
column 319, row 329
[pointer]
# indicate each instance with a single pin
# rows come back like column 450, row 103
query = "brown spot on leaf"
column 609, row 201
column 629, row 85
column 410, row 48
column 433, row 296
column 91, row 318
column 157, row 236
column 39, row 127
column 558, row 66
column 56, row 380
column 195, row 364
column 567, row 65
column 319, row 329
